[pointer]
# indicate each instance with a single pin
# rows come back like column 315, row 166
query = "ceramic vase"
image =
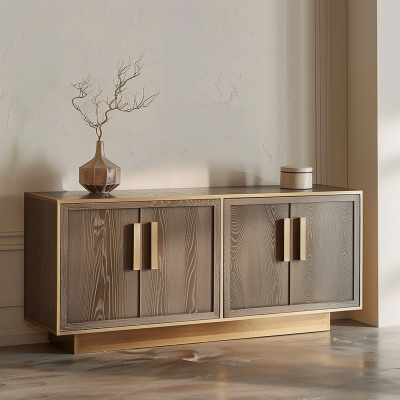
column 99, row 175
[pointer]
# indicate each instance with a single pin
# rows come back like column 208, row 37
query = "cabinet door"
column 97, row 280
column 100, row 288
column 185, row 285
column 255, row 276
column 328, row 275
column 325, row 275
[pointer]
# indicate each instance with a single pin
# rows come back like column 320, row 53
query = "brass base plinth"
column 195, row 333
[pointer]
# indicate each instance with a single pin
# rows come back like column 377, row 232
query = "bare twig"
column 117, row 102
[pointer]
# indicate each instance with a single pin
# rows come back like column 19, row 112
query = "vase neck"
column 100, row 148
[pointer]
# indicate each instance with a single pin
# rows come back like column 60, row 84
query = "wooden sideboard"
column 156, row 267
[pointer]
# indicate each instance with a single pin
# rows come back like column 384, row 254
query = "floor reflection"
column 352, row 361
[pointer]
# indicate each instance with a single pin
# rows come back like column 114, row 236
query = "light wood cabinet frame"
column 44, row 214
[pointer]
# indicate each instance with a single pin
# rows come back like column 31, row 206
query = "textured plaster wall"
column 236, row 82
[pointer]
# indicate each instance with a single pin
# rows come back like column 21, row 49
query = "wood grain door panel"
column 97, row 278
column 100, row 289
column 183, row 285
column 257, row 282
column 328, row 273
column 256, row 277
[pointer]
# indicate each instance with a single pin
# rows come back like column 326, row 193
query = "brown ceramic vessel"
column 99, row 175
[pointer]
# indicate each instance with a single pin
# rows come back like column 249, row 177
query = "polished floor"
column 352, row 361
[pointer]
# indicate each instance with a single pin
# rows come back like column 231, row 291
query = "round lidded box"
column 296, row 177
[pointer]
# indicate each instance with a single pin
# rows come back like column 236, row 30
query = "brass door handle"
column 136, row 246
column 286, row 239
column 303, row 238
column 154, row 245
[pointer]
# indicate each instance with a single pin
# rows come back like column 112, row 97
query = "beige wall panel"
column 322, row 91
column 338, row 92
column 362, row 139
column 338, row 149
column 11, row 278
column 14, row 330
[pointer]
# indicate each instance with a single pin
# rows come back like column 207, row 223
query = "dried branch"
column 83, row 88
column 117, row 102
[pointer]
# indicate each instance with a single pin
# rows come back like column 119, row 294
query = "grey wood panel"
column 327, row 275
column 97, row 281
column 354, row 200
column 40, row 262
column 185, row 280
column 181, row 192
column 208, row 210
column 255, row 274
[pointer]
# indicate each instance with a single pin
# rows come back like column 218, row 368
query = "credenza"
column 158, row 267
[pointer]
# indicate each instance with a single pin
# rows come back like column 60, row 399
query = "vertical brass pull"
column 286, row 239
column 136, row 246
column 154, row 245
column 303, row 238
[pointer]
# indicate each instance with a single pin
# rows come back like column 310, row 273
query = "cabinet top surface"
column 185, row 193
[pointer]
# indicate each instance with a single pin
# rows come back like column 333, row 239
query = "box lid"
column 296, row 168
